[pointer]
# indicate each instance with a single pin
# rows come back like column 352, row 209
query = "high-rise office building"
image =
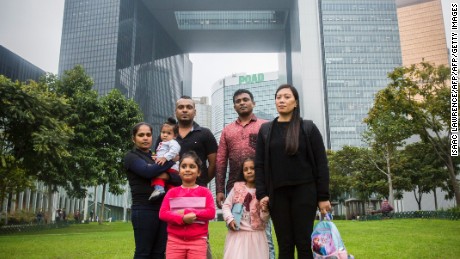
column 422, row 32
column 360, row 46
column 141, row 46
column 15, row 67
column 203, row 111
column 336, row 52
column 122, row 46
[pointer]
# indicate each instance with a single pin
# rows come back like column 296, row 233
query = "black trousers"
column 293, row 210
column 149, row 234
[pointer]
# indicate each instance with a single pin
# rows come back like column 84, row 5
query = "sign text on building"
column 251, row 79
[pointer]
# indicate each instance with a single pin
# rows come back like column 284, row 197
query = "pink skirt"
column 246, row 245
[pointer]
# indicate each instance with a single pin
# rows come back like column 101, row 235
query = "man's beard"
column 185, row 122
column 245, row 113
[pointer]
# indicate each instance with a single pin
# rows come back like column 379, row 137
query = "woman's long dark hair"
column 292, row 134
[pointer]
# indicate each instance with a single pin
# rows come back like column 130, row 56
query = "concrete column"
column 125, row 206
column 27, row 201
column 72, row 206
column 41, row 204
column 13, row 203
column 306, row 62
column 54, row 205
column 4, row 208
column 5, row 203
column 95, row 202
column 34, row 201
column 86, row 214
column 20, row 201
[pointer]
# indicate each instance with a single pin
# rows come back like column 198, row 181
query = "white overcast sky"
column 32, row 29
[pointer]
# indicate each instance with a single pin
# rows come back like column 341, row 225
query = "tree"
column 12, row 175
column 339, row 176
column 85, row 119
column 424, row 169
column 353, row 172
column 78, row 170
column 118, row 115
column 421, row 95
column 33, row 135
column 386, row 132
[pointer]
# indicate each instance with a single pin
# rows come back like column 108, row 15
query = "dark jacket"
column 316, row 157
column 140, row 169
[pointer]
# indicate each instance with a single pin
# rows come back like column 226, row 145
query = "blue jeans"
column 271, row 246
column 149, row 234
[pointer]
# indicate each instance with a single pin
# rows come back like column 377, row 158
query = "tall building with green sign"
column 337, row 53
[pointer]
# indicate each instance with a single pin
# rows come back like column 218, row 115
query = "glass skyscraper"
column 203, row 111
column 15, row 67
column 337, row 53
column 122, row 46
column 360, row 46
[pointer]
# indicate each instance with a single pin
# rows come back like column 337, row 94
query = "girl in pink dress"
column 245, row 218
column 187, row 210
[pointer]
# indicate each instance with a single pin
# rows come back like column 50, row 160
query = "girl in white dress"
column 245, row 218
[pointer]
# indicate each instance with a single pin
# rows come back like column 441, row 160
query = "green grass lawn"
column 399, row 238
